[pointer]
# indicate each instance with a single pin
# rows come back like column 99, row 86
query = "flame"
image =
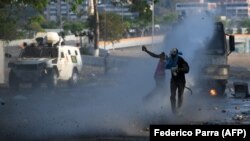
column 213, row 92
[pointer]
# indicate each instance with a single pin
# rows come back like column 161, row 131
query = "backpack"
column 186, row 67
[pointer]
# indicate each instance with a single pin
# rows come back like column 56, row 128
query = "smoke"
column 114, row 104
column 190, row 37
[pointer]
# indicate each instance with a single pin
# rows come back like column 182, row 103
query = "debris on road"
column 223, row 111
column 238, row 117
column 2, row 102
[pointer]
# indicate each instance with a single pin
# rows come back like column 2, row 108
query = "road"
column 111, row 106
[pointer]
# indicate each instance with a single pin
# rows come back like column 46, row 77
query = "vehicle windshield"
column 39, row 52
column 217, row 44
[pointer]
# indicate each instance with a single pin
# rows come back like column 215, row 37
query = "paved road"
column 109, row 107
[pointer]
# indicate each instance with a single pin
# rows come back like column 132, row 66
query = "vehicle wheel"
column 13, row 81
column 221, row 90
column 52, row 79
column 73, row 81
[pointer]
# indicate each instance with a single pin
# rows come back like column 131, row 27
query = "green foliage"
column 50, row 24
column 14, row 17
column 8, row 31
column 166, row 19
column 84, row 51
column 143, row 8
column 13, row 22
column 34, row 3
column 74, row 27
column 9, row 24
column 34, row 23
column 111, row 26
column 245, row 23
column 74, row 4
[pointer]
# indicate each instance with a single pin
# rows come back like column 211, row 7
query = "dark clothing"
column 178, row 82
column 180, row 85
column 183, row 68
column 90, row 36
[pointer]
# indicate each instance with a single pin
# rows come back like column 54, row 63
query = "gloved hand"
column 174, row 70
column 144, row 48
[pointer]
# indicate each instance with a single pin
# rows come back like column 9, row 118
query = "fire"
column 213, row 92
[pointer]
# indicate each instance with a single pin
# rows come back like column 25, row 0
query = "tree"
column 168, row 18
column 11, row 22
column 14, row 17
column 244, row 23
column 50, row 24
column 34, row 23
column 16, row 3
column 111, row 26
column 74, row 27
column 143, row 8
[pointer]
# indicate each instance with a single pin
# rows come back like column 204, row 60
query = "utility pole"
column 59, row 12
column 96, row 30
column 153, row 21
column 2, row 63
column 90, row 7
column 105, row 38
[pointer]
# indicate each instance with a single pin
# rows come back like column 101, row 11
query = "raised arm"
column 151, row 53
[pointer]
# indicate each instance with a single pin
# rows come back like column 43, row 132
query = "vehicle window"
column 216, row 44
column 62, row 55
column 33, row 51
column 73, row 59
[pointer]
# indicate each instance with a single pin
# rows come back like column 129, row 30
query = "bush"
column 84, row 51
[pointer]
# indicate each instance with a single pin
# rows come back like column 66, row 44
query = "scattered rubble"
column 223, row 111
column 238, row 117
column 2, row 102
column 237, row 107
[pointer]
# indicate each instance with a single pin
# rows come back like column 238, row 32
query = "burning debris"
column 213, row 92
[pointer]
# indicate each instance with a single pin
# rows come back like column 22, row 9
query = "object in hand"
column 174, row 70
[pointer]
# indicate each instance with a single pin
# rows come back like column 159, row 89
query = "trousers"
column 176, row 85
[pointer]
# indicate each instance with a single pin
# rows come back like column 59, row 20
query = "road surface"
column 111, row 106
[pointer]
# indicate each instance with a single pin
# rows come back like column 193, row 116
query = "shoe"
column 179, row 113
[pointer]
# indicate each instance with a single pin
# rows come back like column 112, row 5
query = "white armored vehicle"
column 47, row 61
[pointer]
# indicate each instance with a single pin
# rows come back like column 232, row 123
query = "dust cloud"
column 115, row 104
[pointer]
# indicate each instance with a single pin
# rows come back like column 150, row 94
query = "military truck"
column 214, row 63
column 47, row 61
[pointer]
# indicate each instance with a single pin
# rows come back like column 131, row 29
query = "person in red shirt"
column 159, row 74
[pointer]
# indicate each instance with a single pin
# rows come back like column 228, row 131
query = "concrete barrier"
column 131, row 42
column 239, row 60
